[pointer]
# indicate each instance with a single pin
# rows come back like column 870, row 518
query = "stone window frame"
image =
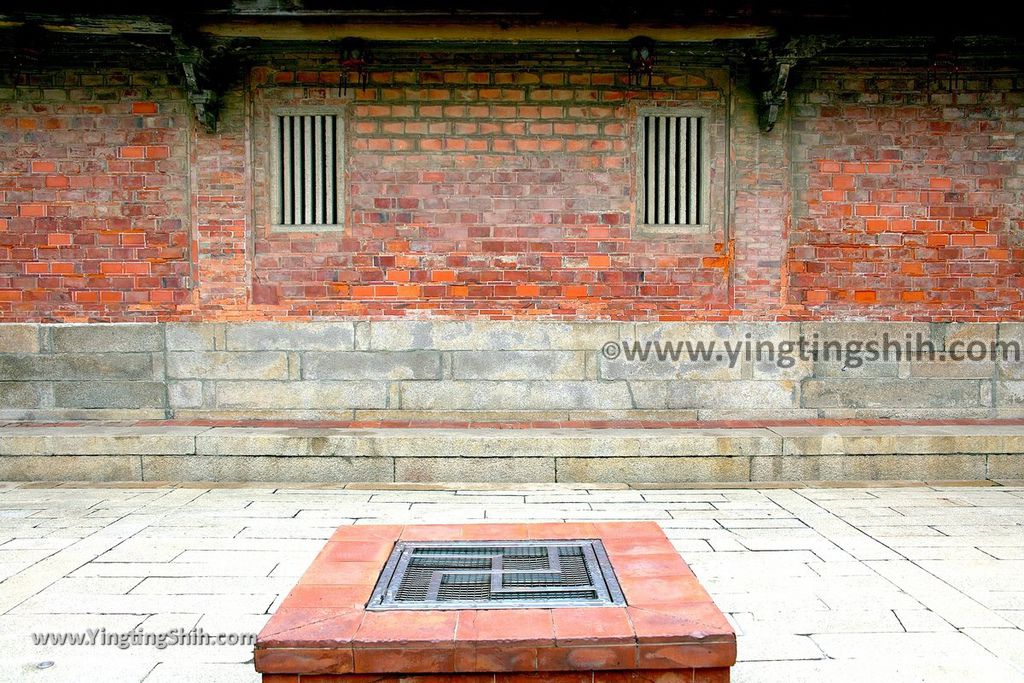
column 714, row 168
column 272, row 170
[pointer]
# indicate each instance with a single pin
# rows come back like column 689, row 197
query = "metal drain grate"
column 496, row 574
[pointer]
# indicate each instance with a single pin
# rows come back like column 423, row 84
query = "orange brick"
column 574, row 291
column 865, row 296
column 599, row 261
column 58, row 239
column 144, row 108
column 131, row 152
column 912, row 297
column 32, row 210
column 398, row 275
column 940, row 184
column 816, row 296
column 442, row 276
column 43, row 167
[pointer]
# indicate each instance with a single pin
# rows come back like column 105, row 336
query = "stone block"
column 839, row 368
column 492, row 470
column 525, row 335
column 648, row 395
column 25, row 394
column 1009, row 351
column 519, row 365
column 265, row 468
column 109, row 394
column 786, row 366
column 228, row 365
column 195, row 336
column 867, row 467
column 304, row 395
column 70, row 468
column 185, row 394
column 290, row 336
column 655, row 469
column 286, row 442
column 19, row 338
column 863, row 331
column 667, row 367
column 882, row 440
column 880, row 393
column 1006, row 466
column 737, row 334
column 1009, row 394
column 65, row 366
column 486, row 395
column 107, row 338
column 97, row 440
column 371, row 365
column 739, row 394
column 964, row 369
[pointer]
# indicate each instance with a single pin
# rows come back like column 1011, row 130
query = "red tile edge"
column 670, row 622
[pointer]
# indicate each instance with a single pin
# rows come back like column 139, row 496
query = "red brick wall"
column 490, row 193
column 509, row 192
column 911, row 198
column 93, row 188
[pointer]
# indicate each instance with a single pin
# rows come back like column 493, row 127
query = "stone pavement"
column 897, row 583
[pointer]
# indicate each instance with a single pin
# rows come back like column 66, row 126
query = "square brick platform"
column 669, row 631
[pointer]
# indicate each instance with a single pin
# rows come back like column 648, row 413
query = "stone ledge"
column 176, row 451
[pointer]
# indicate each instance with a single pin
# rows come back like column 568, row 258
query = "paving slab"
column 822, row 583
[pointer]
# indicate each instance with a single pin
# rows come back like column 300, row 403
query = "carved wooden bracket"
column 196, row 66
column 773, row 63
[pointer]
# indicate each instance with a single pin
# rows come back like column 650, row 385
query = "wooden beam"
column 299, row 30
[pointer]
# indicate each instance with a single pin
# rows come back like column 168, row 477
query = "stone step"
column 783, row 452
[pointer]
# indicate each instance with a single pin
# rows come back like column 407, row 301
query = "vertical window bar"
column 318, row 170
column 683, row 154
column 649, row 175
column 671, row 160
column 662, row 169
column 307, row 175
column 296, row 177
column 332, row 155
column 284, row 181
column 693, row 213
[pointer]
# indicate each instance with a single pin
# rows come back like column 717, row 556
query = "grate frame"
column 604, row 584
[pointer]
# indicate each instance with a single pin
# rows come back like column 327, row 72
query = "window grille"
column 672, row 170
column 307, row 186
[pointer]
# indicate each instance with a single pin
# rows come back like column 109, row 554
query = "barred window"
column 671, row 173
column 306, row 171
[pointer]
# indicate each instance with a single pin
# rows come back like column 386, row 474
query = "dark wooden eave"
column 772, row 38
